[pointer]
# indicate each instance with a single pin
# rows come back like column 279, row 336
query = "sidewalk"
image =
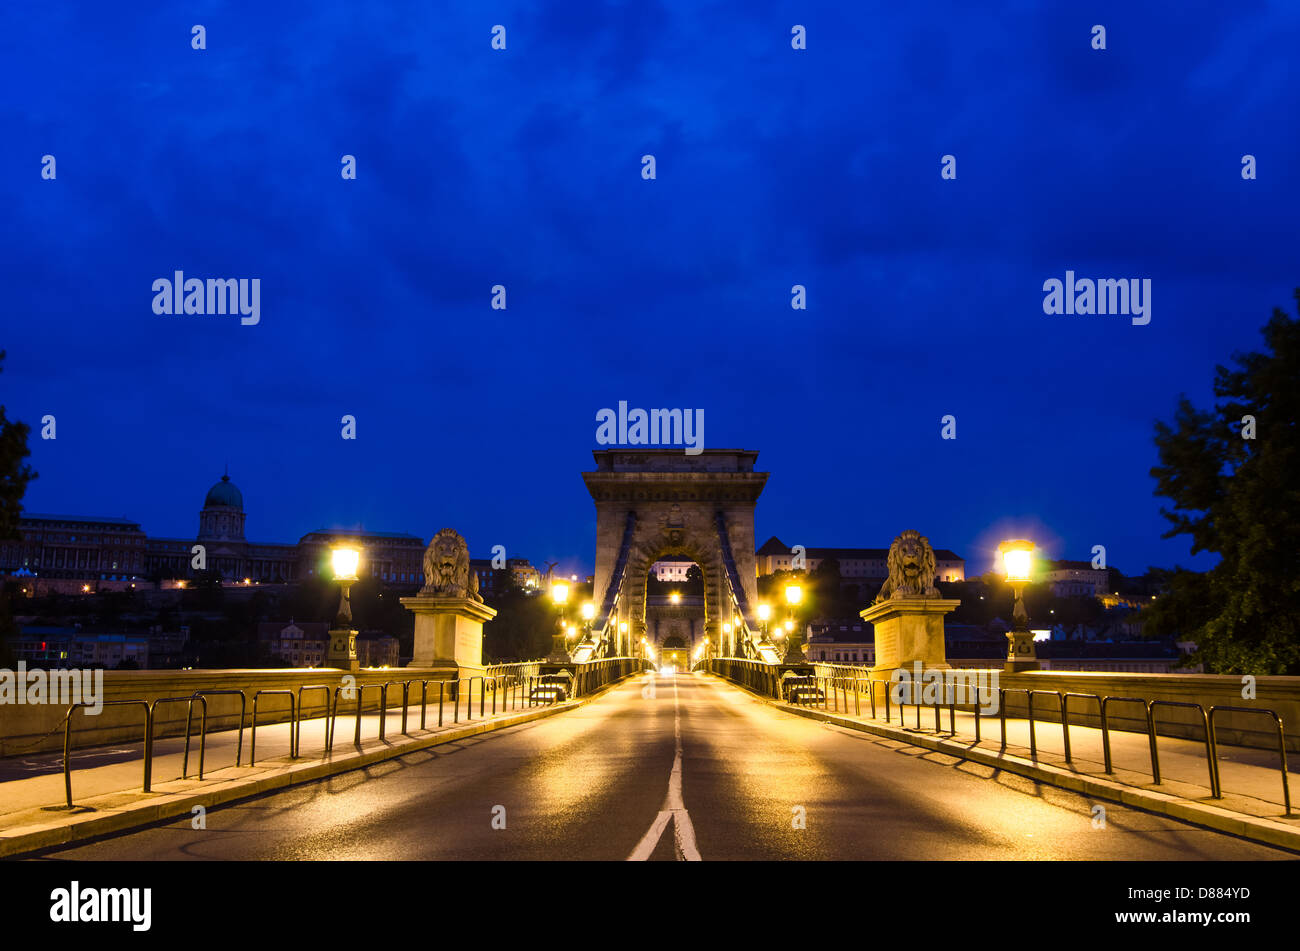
column 107, row 781
column 1252, row 803
column 1251, row 779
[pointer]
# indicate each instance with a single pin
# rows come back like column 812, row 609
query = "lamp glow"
column 793, row 594
column 1017, row 559
column 764, row 612
column 559, row 593
column 588, row 611
column 345, row 560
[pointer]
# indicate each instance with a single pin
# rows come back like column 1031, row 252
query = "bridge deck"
column 693, row 767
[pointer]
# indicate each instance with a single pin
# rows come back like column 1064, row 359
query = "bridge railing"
column 593, row 675
column 851, row 691
column 504, row 688
column 757, row 676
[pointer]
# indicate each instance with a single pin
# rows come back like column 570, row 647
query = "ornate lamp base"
column 1020, row 652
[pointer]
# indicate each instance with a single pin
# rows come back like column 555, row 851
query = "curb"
column 1254, row 828
column 173, row 805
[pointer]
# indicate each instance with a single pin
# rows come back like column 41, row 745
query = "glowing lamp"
column 588, row 611
column 764, row 612
column 1017, row 559
column 345, row 560
column 793, row 594
column 559, row 593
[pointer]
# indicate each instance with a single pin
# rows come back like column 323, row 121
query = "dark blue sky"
column 522, row 167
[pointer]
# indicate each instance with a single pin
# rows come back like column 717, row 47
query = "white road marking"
column 674, row 808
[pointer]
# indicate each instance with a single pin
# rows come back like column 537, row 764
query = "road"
column 693, row 768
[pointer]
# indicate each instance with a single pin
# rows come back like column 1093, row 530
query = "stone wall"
column 26, row 728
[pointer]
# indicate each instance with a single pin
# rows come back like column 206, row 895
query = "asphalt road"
column 695, row 768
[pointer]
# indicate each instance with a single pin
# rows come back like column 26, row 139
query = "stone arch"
column 661, row 503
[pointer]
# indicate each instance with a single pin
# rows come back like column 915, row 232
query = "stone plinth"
column 342, row 649
column 908, row 631
column 448, row 631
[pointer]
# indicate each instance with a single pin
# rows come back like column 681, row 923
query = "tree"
column 14, row 473
column 14, row 476
column 1233, row 475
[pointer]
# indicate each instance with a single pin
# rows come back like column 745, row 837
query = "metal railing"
column 510, row 687
column 830, row 691
column 1281, row 747
column 329, row 720
column 243, row 706
column 293, row 724
column 1210, row 754
column 67, row 741
column 189, row 720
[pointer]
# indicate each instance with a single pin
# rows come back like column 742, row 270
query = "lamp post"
column 794, row 643
column 559, row 651
column 726, row 637
column 622, row 637
column 342, row 652
column 764, row 612
column 588, row 613
column 1018, row 563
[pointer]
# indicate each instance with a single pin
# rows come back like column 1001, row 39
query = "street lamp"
column 588, row 613
column 794, row 645
column 675, row 597
column 342, row 652
column 764, row 612
column 559, row 650
column 1018, row 564
column 622, row 637
column 726, row 636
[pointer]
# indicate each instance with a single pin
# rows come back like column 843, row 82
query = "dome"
column 224, row 493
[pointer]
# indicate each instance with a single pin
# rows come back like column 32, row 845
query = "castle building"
column 856, row 564
column 70, row 554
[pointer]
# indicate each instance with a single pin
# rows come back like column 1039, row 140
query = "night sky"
column 522, row 167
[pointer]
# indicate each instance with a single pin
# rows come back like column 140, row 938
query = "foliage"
column 1238, row 497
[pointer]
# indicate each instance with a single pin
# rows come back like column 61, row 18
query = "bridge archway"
column 660, row 504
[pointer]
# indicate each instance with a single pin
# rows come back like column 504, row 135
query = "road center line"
column 673, row 808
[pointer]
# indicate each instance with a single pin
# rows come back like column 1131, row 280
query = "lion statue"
column 911, row 569
column 446, row 568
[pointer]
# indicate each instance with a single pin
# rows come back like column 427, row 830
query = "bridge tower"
column 654, row 504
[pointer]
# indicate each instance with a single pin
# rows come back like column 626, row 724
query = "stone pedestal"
column 341, row 652
column 448, row 631
column 1021, row 654
column 908, row 631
